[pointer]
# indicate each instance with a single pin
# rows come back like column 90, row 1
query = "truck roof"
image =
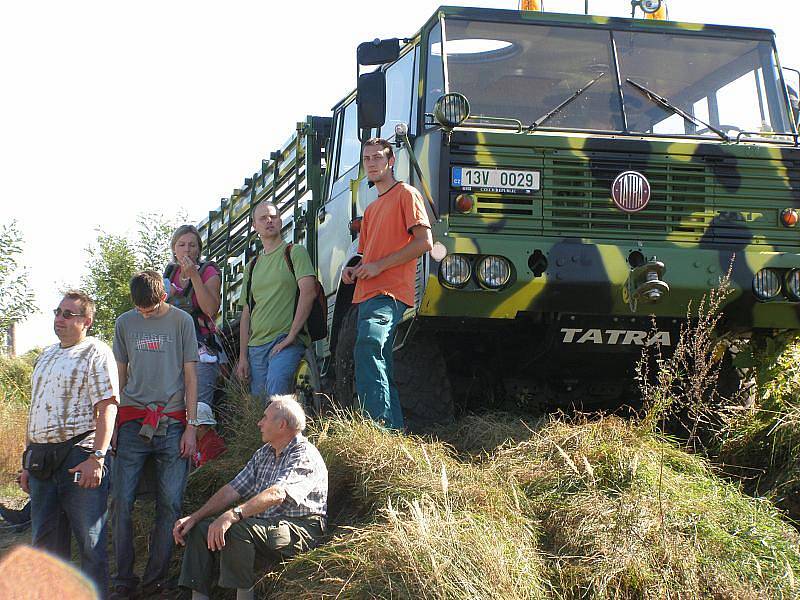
column 503, row 15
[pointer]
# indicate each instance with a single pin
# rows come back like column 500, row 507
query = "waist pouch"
column 42, row 460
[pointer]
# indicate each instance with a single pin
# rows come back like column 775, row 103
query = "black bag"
column 42, row 460
column 317, row 322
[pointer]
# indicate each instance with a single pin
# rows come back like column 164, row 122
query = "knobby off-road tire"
column 344, row 387
column 420, row 374
column 308, row 385
column 426, row 395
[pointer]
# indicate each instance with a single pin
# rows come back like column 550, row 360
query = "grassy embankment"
column 512, row 509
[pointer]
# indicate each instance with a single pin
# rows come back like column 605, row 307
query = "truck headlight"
column 455, row 270
column 451, row 110
column 494, row 272
column 793, row 285
column 766, row 284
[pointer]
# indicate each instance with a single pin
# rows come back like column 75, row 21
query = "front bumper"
column 593, row 279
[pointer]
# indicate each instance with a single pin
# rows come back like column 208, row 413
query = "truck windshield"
column 523, row 71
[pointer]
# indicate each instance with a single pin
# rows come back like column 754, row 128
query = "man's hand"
column 91, row 473
column 216, row 532
column 243, row 369
column 284, row 343
column 349, row 275
column 188, row 442
column 368, row 270
column 22, row 480
column 181, row 529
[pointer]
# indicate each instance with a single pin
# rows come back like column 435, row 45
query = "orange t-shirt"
column 385, row 229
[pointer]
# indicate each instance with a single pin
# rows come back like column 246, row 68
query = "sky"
column 112, row 109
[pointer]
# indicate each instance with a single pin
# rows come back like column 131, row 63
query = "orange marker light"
column 789, row 217
column 530, row 5
column 465, row 202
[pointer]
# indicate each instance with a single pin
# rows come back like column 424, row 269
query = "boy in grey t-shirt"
column 155, row 347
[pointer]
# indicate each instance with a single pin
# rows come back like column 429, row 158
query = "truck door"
column 333, row 217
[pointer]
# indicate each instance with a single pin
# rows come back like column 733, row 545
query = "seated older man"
column 279, row 503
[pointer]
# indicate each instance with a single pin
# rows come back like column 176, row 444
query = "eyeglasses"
column 67, row 314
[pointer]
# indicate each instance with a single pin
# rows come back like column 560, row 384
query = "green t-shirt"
column 273, row 291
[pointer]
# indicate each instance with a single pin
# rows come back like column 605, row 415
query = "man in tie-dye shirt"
column 74, row 401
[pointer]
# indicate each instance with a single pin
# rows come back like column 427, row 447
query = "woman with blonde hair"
column 194, row 286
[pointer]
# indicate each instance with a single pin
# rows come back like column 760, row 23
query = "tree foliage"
column 113, row 259
column 16, row 296
column 152, row 242
column 112, row 262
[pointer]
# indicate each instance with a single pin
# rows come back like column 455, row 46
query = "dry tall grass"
column 628, row 515
column 15, row 394
column 577, row 510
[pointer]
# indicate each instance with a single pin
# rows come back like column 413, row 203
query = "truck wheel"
column 308, row 386
column 344, row 387
column 420, row 373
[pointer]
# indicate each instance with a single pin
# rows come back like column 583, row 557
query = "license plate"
column 495, row 180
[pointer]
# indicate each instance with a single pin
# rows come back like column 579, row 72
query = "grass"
column 626, row 514
column 15, row 394
column 503, row 507
column 761, row 442
column 511, row 509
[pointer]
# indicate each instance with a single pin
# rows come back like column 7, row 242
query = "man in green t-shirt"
column 272, row 335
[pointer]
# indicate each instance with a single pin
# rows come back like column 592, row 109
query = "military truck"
column 585, row 176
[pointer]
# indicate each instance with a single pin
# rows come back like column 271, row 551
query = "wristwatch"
column 99, row 454
column 194, row 422
column 237, row 511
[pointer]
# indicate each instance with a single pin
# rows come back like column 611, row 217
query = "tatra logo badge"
column 630, row 191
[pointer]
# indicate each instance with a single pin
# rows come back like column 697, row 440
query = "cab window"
column 399, row 86
column 349, row 149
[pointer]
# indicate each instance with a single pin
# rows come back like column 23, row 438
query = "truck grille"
column 576, row 199
column 710, row 196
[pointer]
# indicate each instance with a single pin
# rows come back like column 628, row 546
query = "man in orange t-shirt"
column 395, row 232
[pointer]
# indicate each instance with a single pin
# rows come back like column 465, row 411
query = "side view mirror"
column 371, row 100
column 378, row 52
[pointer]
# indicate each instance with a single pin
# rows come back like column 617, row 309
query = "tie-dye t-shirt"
column 65, row 386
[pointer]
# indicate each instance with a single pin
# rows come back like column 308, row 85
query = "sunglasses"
column 67, row 314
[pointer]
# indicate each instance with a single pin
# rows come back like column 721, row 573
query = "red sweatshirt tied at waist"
column 151, row 417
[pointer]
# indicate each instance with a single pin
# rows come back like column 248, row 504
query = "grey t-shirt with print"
column 155, row 350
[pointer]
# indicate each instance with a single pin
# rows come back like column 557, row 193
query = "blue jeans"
column 171, row 472
column 207, row 375
column 58, row 505
column 274, row 375
column 377, row 323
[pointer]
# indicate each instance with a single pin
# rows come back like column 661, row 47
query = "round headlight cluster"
column 455, row 270
column 793, row 284
column 494, row 272
column 766, row 284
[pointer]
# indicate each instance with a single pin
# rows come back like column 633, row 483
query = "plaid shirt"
column 299, row 471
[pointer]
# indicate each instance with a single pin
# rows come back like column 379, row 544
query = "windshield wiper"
column 538, row 122
column 666, row 104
